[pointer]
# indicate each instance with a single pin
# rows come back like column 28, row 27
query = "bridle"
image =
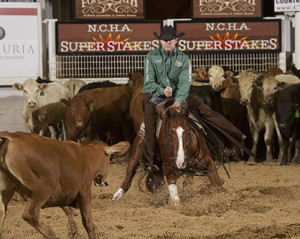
column 192, row 125
column 170, row 136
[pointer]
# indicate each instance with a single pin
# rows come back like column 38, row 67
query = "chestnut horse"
column 183, row 150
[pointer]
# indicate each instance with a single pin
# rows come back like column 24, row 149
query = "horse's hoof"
column 269, row 161
column 228, row 152
column 251, row 161
column 175, row 203
column 154, row 181
column 153, row 168
column 119, row 194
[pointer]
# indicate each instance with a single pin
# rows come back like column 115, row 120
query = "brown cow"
column 136, row 80
column 48, row 173
column 273, row 71
column 136, row 108
column 94, row 112
column 200, row 75
column 49, row 115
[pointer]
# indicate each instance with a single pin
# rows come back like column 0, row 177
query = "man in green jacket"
column 168, row 74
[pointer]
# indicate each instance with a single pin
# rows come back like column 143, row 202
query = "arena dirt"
column 262, row 201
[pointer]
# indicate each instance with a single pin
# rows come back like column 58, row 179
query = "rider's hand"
column 177, row 105
column 168, row 91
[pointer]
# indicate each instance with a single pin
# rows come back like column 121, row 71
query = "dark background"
column 167, row 9
column 154, row 9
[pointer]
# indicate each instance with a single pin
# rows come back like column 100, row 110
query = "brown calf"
column 95, row 112
column 48, row 173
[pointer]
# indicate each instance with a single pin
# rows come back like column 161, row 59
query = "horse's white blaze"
column 180, row 152
column 174, row 192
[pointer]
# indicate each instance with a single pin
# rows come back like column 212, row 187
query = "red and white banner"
column 95, row 38
column 230, row 36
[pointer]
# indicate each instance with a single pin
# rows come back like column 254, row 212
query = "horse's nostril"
column 181, row 165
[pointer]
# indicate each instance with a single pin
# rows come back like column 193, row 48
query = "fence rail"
column 117, row 67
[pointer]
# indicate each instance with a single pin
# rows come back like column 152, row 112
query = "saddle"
column 163, row 105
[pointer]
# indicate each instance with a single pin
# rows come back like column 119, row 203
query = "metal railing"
column 117, row 67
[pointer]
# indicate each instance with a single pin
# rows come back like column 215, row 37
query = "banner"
column 19, row 40
column 233, row 36
column 286, row 5
column 109, row 9
column 89, row 38
column 227, row 9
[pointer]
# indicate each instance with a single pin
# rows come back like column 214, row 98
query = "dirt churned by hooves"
column 262, row 201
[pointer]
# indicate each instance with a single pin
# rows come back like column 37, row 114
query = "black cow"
column 208, row 96
column 288, row 119
column 94, row 85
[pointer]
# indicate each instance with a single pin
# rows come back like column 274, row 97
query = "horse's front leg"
column 173, row 190
column 171, row 179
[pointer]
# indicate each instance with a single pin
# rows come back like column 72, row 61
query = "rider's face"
column 169, row 46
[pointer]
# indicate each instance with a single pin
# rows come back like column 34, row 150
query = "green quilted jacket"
column 162, row 70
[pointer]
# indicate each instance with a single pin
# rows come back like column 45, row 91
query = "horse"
column 183, row 150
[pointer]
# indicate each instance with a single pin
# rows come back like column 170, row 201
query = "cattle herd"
column 98, row 116
column 261, row 104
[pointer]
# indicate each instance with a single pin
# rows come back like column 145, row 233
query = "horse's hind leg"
column 133, row 164
column 213, row 176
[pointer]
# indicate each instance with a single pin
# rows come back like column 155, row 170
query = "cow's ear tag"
column 91, row 108
column 42, row 93
column 130, row 82
column 297, row 114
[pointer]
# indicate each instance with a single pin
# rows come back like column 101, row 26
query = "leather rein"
column 193, row 126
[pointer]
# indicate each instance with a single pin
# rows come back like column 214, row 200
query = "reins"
column 211, row 139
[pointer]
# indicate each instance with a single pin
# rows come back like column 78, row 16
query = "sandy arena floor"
column 263, row 201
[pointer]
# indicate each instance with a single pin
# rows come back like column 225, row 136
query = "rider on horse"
column 168, row 74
